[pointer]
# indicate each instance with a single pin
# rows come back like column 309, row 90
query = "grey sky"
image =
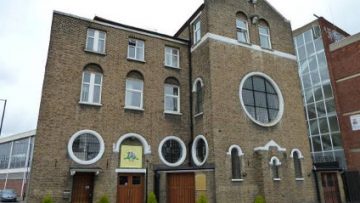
column 25, row 29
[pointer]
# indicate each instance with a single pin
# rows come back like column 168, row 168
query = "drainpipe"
column 316, row 184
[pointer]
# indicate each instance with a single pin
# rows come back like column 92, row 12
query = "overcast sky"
column 25, row 29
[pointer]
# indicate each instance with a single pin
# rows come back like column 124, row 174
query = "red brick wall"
column 345, row 62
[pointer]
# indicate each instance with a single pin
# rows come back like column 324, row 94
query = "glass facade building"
column 15, row 161
column 319, row 106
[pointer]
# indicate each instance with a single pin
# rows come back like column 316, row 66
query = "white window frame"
column 193, row 150
column 243, row 29
column 197, row 31
column 182, row 145
column 71, row 142
column 300, row 157
column 277, row 90
column 172, row 96
column 127, row 89
column 96, row 38
column 265, row 35
column 278, row 164
column 169, row 51
column 91, row 88
column 136, row 47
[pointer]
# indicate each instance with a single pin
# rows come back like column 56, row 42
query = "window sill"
column 247, row 43
column 172, row 67
column 90, row 104
column 133, row 108
column 95, row 52
column 299, row 179
column 173, row 113
column 269, row 49
column 198, row 114
column 136, row 60
column 276, row 179
column 237, row 180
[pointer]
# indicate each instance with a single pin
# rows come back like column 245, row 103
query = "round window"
column 172, row 151
column 86, row 147
column 200, row 150
column 261, row 98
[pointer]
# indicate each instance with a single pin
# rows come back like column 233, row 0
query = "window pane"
column 309, row 98
column 306, row 81
column 311, row 111
column 251, row 111
column 264, row 41
column 4, row 155
column 248, row 84
column 85, row 93
column 260, row 99
column 264, row 30
column 318, row 93
column 301, row 53
column 123, row 180
column 240, row 24
column 316, row 144
column 200, row 150
column 101, row 46
column 133, row 99
column 171, row 104
column 273, row 101
column 174, row 61
column 310, row 48
column 259, row 84
column 96, row 98
column 334, row 126
column 299, row 40
column 140, row 53
column 262, row 115
column 337, row 142
column 324, row 74
column 90, row 44
column 101, row 35
column 304, row 67
column 131, row 52
column 315, row 78
column 319, row 44
column 326, row 142
column 312, row 63
column 320, row 107
column 248, row 97
column 18, row 155
column 273, row 114
column 308, row 36
column 241, row 36
column 98, row 79
column 86, row 77
column 322, row 59
column 314, row 128
column 330, row 106
column 235, row 164
column 136, row 180
column 327, row 90
column 134, row 84
column 324, row 128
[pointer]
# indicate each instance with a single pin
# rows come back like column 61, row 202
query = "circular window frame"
column 193, row 150
column 98, row 156
column 182, row 157
column 278, row 91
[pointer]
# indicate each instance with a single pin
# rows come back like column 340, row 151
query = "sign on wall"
column 131, row 156
column 355, row 122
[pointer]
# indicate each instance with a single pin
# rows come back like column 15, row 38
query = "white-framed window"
column 172, row 151
column 171, row 98
column 197, row 31
column 95, row 41
column 261, row 99
column 136, row 49
column 172, row 57
column 236, row 162
column 275, row 164
column 200, row 150
column 86, row 147
column 91, row 88
column 264, row 34
column 297, row 156
column 242, row 30
column 134, row 93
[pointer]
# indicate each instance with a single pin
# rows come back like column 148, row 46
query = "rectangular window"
column 172, row 57
column 242, row 31
column 136, row 49
column 264, row 37
column 95, row 41
column 134, row 93
column 91, row 88
column 197, row 31
column 172, row 99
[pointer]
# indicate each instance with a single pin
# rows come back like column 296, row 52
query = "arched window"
column 91, row 84
column 264, row 34
column 236, row 163
column 296, row 155
column 199, row 95
column 242, row 27
column 275, row 163
column 134, row 90
column 172, row 96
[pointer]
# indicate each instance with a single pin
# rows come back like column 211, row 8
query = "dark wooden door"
column 330, row 187
column 83, row 185
column 180, row 188
column 130, row 188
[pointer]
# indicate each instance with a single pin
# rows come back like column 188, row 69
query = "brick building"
column 344, row 68
column 328, row 70
column 214, row 110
